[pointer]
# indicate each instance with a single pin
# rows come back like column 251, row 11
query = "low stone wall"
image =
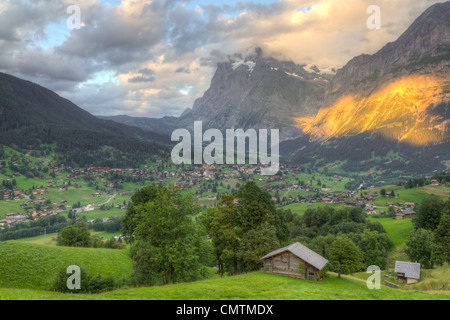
column 392, row 285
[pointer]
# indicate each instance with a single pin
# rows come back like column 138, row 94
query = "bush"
column 89, row 282
column 322, row 274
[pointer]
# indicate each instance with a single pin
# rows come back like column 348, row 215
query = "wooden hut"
column 295, row 260
column 407, row 272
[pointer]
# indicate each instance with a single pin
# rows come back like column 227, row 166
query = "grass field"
column 253, row 286
column 35, row 266
column 300, row 208
column 28, row 269
column 397, row 230
column 397, row 254
column 42, row 240
column 47, row 239
column 433, row 280
column 403, row 195
column 441, row 191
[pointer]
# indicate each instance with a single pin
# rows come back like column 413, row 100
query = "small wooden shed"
column 295, row 260
column 407, row 272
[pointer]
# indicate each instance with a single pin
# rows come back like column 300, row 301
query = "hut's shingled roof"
column 410, row 269
column 304, row 253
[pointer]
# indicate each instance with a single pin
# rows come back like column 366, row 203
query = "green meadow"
column 300, row 208
column 35, row 266
column 403, row 195
column 28, row 269
column 252, row 286
column 397, row 230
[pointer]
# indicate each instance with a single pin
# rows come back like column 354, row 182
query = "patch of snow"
column 328, row 70
column 250, row 65
column 294, row 75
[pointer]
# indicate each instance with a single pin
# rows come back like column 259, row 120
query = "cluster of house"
column 55, row 207
column 16, row 194
column 189, row 179
column 57, row 187
column 87, row 208
column 14, row 218
column 325, row 195
column 404, row 211
column 35, row 215
column 105, row 220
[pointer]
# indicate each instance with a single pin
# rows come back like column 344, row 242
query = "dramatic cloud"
column 146, row 75
column 154, row 58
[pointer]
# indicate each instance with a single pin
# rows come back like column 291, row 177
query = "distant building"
column 327, row 200
column 407, row 272
column 435, row 182
column 12, row 218
column 410, row 205
column 405, row 214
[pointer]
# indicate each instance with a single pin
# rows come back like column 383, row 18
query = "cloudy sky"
column 155, row 57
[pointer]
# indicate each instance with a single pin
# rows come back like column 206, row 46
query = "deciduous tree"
column 345, row 256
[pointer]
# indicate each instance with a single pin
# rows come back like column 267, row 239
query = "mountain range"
column 385, row 112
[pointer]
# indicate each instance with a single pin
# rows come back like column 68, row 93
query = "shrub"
column 89, row 282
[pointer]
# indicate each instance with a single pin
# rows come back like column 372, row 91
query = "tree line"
column 172, row 240
column 429, row 242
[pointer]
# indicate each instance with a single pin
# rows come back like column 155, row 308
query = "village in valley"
column 108, row 191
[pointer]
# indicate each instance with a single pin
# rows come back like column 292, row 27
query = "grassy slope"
column 397, row 230
column 441, row 191
column 34, row 266
column 404, row 195
column 257, row 286
column 47, row 239
column 300, row 208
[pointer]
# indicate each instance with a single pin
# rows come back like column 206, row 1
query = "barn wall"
column 288, row 263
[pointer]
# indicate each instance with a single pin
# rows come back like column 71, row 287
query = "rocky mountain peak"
column 255, row 91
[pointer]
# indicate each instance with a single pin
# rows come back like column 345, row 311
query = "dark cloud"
column 146, row 75
column 183, row 70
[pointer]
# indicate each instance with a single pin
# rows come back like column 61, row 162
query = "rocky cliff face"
column 261, row 93
column 401, row 92
column 423, row 48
